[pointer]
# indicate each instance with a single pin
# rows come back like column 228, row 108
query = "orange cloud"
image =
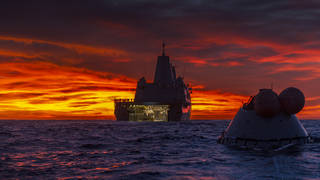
column 215, row 105
column 16, row 54
column 79, row 48
column 310, row 112
column 42, row 90
column 208, row 61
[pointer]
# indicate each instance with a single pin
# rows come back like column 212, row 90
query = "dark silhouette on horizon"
column 167, row 98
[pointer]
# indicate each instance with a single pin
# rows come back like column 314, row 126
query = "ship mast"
column 163, row 48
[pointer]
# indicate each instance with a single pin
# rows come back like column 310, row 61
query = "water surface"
column 143, row 150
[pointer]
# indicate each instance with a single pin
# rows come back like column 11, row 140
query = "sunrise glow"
column 72, row 65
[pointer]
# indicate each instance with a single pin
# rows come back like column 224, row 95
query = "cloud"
column 19, row 95
column 208, row 104
column 41, row 90
column 44, row 91
column 104, row 46
column 53, row 46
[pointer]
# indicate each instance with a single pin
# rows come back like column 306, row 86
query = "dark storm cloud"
column 229, row 46
column 67, row 20
column 248, row 33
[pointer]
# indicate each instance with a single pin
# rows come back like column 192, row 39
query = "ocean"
column 86, row 149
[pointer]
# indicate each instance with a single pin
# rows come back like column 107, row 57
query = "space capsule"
column 268, row 121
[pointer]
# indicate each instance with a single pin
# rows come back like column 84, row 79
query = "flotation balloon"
column 267, row 103
column 292, row 100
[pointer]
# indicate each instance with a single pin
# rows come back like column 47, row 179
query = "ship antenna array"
column 163, row 48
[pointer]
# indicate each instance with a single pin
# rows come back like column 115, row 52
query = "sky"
column 70, row 59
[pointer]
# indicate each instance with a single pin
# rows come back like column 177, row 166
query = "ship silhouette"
column 167, row 98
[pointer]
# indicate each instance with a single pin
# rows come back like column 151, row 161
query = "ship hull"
column 145, row 112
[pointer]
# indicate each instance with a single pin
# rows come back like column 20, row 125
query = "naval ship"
column 167, row 98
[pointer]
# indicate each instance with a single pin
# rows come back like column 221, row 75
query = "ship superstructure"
column 167, row 98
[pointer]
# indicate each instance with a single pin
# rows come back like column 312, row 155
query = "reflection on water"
column 130, row 150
